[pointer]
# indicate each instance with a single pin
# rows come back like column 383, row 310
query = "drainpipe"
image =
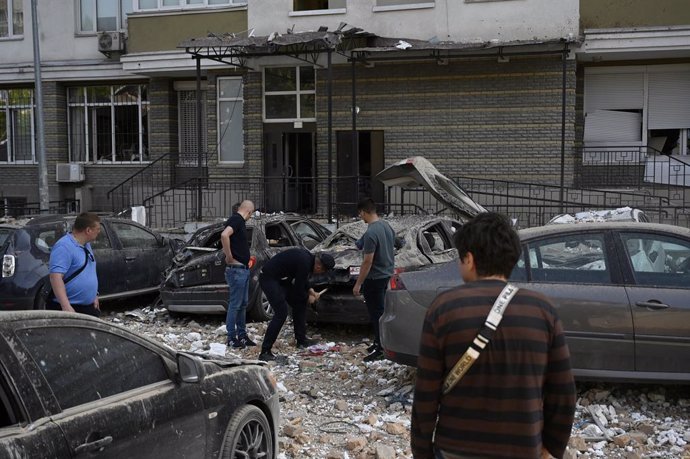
column 355, row 140
column 199, row 139
column 563, row 100
column 330, row 139
column 43, row 190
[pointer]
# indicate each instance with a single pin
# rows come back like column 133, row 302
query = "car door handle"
column 652, row 304
column 130, row 258
column 94, row 445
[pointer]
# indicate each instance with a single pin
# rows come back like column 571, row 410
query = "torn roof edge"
column 324, row 40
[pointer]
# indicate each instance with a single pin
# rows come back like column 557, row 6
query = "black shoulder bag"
column 47, row 289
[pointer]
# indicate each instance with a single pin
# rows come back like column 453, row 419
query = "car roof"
column 547, row 230
column 18, row 316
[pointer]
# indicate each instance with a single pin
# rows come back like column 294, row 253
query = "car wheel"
column 39, row 301
column 248, row 435
column 262, row 310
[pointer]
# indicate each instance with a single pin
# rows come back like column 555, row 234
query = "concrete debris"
column 335, row 406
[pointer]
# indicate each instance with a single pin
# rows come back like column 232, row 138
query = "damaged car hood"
column 418, row 171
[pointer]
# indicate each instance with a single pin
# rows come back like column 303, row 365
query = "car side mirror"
column 190, row 368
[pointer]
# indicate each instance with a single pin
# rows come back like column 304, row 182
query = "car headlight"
column 8, row 265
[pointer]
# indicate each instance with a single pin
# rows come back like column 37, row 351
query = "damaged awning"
column 384, row 48
column 305, row 46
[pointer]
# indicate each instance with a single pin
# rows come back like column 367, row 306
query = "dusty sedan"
column 622, row 291
column 72, row 385
column 423, row 239
column 196, row 283
column 131, row 258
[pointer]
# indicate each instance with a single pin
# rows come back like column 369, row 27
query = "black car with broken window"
column 75, row 386
column 196, row 282
column 130, row 258
column 421, row 239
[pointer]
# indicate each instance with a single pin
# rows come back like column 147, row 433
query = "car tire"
column 262, row 310
column 248, row 435
column 39, row 301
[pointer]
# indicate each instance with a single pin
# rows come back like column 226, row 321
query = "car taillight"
column 8, row 265
column 252, row 261
column 396, row 282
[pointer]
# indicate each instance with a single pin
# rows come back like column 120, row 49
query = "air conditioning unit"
column 69, row 172
column 109, row 42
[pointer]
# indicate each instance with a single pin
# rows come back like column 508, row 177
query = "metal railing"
column 165, row 172
column 172, row 206
column 31, row 209
column 641, row 168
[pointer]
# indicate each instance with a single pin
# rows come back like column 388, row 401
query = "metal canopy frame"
column 364, row 48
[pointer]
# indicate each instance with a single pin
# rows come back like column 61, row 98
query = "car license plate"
column 354, row 270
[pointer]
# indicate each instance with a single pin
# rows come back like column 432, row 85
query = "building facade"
column 487, row 89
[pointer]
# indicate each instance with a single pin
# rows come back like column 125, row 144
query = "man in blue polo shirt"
column 70, row 255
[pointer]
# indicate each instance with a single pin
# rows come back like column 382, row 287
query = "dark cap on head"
column 327, row 260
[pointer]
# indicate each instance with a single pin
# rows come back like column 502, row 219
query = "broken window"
column 277, row 236
column 108, row 123
column 658, row 260
column 111, row 364
column 613, row 107
column 307, row 233
column 436, row 239
column 309, row 5
column 133, row 237
column 570, row 258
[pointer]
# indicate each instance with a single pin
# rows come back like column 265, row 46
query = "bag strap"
column 78, row 271
column 483, row 337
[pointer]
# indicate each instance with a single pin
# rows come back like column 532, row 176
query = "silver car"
column 622, row 290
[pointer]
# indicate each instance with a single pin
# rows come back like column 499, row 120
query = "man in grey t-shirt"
column 378, row 245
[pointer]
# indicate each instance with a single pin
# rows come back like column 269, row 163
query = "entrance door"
column 289, row 172
column 357, row 168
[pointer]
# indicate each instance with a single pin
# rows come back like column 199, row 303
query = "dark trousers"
column 374, row 291
column 281, row 295
column 89, row 309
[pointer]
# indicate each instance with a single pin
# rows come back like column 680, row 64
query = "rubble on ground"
column 335, row 406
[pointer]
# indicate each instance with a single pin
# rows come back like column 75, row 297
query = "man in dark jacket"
column 284, row 280
column 518, row 399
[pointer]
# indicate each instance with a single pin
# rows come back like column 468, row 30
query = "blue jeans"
column 238, row 286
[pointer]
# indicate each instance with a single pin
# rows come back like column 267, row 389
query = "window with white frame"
column 17, row 126
column 103, row 15
column 311, row 5
column 187, row 119
column 149, row 5
column 230, row 117
column 289, row 94
column 108, row 124
column 11, row 18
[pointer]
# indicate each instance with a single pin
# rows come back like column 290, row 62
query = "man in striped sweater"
column 518, row 399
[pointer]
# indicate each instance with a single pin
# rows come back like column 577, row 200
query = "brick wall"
column 479, row 118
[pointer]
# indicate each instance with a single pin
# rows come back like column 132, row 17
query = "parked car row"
column 131, row 258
